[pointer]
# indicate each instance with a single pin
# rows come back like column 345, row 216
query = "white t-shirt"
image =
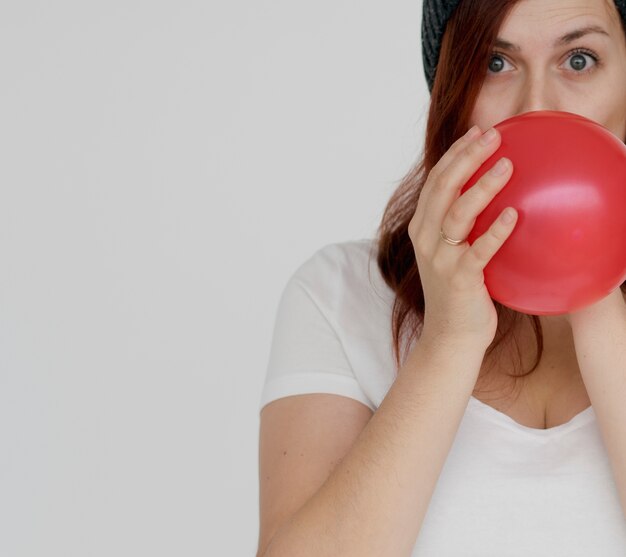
column 505, row 490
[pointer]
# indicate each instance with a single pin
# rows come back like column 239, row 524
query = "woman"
column 444, row 451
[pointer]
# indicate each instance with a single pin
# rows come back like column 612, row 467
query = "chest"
column 550, row 396
column 543, row 414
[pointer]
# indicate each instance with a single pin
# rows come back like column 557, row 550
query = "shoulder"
column 344, row 282
column 339, row 256
column 340, row 270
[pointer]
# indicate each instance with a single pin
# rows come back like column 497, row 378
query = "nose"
column 537, row 95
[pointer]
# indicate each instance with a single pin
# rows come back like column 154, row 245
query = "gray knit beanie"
column 435, row 16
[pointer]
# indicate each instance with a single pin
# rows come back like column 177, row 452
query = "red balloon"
column 568, row 246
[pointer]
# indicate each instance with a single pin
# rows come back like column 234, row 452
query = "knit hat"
column 435, row 16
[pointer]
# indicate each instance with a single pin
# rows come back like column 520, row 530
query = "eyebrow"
column 565, row 39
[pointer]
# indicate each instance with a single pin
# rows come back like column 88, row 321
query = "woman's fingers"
column 446, row 189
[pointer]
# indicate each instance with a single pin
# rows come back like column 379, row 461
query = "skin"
column 542, row 77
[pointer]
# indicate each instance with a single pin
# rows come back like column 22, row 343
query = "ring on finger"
column 449, row 240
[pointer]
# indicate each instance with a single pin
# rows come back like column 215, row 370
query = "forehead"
column 559, row 14
column 542, row 22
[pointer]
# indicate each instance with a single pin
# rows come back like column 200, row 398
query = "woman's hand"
column 457, row 302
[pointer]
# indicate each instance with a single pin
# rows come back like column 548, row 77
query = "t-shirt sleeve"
column 306, row 354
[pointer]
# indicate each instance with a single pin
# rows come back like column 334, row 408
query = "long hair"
column 465, row 49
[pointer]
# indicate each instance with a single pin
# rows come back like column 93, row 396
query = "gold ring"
column 449, row 240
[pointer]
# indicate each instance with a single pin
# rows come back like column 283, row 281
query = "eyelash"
column 571, row 53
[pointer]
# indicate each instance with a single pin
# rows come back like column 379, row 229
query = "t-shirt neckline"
column 583, row 417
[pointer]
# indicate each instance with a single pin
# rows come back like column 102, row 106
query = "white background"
column 166, row 166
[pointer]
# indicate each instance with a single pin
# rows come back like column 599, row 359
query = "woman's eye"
column 496, row 62
column 578, row 61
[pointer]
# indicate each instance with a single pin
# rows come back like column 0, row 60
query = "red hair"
column 465, row 50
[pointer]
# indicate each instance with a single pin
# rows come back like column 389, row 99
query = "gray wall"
column 166, row 166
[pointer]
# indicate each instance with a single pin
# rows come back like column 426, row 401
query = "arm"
column 600, row 339
column 374, row 501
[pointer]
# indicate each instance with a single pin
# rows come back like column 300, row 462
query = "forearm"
column 375, row 500
column 601, row 352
